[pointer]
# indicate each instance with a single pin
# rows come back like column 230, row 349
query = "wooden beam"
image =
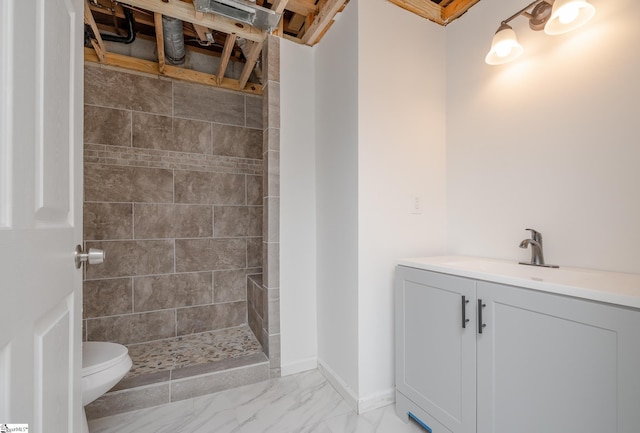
column 279, row 6
column 96, row 41
column 226, row 55
column 201, row 31
column 295, row 24
column 186, row 12
column 424, row 8
column 157, row 18
column 322, row 20
column 170, row 71
column 455, row 9
column 252, row 58
column 302, row 7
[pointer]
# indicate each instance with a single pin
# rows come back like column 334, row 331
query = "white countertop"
column 611, row 287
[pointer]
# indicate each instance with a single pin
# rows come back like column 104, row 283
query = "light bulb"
column 568, row 14
column 503, row 50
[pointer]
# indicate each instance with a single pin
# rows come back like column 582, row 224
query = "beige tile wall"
column 266, row 309
column 174, row 195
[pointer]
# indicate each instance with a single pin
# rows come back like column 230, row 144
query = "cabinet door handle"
column 480, row 324
column 465, row 301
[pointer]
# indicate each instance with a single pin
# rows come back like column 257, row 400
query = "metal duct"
column 241, row 10
column 173, row 40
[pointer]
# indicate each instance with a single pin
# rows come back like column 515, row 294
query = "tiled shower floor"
column 192, row 350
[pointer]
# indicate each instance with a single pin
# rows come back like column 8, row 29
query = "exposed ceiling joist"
column 442, row 13
column 456, row 8
column 186, row 12
column 425, row 8
column 226, row 55
column 159, row 40
column 170, row 71
column 96, row 41
column 252, row 58
column 322, row 20
column 302, row 21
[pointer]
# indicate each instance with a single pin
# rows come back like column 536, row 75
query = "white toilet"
column 103, row 365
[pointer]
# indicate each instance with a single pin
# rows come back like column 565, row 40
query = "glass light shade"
column 504, row 47
column 568, row 15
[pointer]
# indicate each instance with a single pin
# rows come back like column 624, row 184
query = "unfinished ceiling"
column 225, row 40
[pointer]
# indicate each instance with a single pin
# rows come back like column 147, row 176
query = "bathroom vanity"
column 490, row 346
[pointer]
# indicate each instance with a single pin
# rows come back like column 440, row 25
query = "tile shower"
column 181, row 191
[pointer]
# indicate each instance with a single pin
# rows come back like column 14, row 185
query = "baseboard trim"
column 299, row 366
column 340, row 385
column 376, row 401
column 359, row 405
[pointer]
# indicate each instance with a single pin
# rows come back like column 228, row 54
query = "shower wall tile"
column 229, row 286
column 272, row 168
column 271, row 59
column 174, row 195
column 254, row 190
column 254, row 252
column 237, row 221
column 116, row 291
column 128, row 400
column 172, row 291
column 131, row 258
column 133, row 328
column 153, row 221
column 109, row 183
column 274, row 353
column 209, row 317
column 210, row 254
column 152, row 131
column 271, row 274
column 273, row 311
column 200, row 102
column 271, row 209
column 108, row 221
column 209, row 188
column 219, row 381
column 254, row 112
column 271, row 98
column 112, row 88
column 237, row 141
column 107, row 126
column 271, row 140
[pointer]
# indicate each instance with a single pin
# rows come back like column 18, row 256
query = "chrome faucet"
column 537, row 257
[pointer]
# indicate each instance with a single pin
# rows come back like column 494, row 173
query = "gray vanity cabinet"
column 534, row 362
column 435, row 355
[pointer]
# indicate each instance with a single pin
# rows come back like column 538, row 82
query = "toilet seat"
column 100, row 356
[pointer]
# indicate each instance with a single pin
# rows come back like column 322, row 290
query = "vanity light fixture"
column 554, row 16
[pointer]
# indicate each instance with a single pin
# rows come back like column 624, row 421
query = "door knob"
column 93, row 257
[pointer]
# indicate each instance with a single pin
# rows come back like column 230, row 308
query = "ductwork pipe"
column 174, row 51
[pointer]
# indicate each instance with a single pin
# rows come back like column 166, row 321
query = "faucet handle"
column 535, row 235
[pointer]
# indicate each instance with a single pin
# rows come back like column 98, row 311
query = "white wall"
column 336, row 92
column 298, row 318
column 551, row 141
column 401, row 155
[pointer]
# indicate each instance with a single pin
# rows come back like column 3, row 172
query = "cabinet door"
column 553, row 364
column 435, row 356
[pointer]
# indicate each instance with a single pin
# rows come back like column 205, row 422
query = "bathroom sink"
column 612, row 287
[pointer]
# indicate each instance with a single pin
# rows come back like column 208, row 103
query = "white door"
column 41, row 58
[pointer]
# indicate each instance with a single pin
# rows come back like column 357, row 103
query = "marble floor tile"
column 302, row 403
